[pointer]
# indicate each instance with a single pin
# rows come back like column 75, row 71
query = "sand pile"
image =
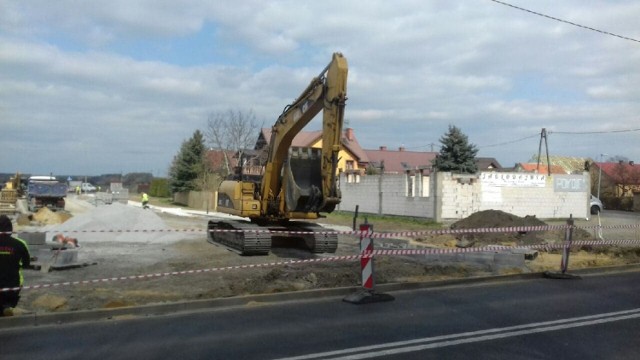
column 118, row 222
column 46, row 216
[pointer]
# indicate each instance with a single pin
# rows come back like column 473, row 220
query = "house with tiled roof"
column 617, row 179
column 217, row 160
column 539, row 168
column 400, row 161
column 352, row 159
column 488, row 164
column 570, row 164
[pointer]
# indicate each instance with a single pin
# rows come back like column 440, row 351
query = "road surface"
column 596, row 317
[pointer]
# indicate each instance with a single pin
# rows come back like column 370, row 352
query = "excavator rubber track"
column 310, row 236
column 244, row 238
column 321, row 241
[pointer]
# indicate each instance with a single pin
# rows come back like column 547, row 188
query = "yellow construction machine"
column 297, row 184
column 9, row 194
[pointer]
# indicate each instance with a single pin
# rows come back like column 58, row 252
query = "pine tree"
column 188, row 165
column 456, row 154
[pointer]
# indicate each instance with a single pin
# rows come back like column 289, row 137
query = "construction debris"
column 66, row 241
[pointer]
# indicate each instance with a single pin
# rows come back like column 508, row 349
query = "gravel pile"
column 117, row 222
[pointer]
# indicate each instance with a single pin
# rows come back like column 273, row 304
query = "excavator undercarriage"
column 247, row 238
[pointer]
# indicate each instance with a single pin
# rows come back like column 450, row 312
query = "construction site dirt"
column 164, row 255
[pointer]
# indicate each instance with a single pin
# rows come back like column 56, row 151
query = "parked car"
column 87, row 187
column 595, row 205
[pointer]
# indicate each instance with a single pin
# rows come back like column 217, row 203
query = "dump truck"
column 45, row 191
column 297, row 185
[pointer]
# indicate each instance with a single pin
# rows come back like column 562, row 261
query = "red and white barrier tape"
column 370, row 234
column 393, row 252
column 184, row 272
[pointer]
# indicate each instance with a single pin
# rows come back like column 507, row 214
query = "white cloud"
column 91, row 74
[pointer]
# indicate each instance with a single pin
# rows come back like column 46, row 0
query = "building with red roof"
column 618, row 179
column 539, row 168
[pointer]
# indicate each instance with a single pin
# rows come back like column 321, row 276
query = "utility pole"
column 600, row 173
column 543, row 135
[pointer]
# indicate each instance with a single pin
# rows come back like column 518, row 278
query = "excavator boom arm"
column 327, row 93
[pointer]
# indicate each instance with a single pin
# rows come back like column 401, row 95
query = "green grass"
column 382, row 222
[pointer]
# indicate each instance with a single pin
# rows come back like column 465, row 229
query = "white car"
column 595, row 205
column 87, row 187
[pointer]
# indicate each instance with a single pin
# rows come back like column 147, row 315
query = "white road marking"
column 399, row 347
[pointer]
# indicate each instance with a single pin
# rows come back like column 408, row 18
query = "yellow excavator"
column 297, row 183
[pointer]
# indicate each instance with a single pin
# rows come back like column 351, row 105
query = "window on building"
column 353, row 178
column 349, row 165
column 410, row 185
column 425, row 186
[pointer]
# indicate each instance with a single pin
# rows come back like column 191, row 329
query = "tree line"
column 232, row 132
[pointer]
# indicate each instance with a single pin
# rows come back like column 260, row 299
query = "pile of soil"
column 501, row 219
column 46, row 216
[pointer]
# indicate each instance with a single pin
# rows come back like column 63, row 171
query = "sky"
column 103, row 87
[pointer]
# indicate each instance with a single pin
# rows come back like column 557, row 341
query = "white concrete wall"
column 454, row 196
column 547, row 197
column 386, row 194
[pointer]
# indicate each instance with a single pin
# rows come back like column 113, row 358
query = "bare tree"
column 232, row 130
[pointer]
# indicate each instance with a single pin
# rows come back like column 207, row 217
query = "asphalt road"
column 596, row 317
column 616, row 214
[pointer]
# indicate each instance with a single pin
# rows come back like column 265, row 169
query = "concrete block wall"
column 364, row 194
column 459, row 195
column 384, row 195
column 556, row 196
column 542, row 202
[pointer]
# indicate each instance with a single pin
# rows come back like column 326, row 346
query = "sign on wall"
column 512, row 179
column 569, row 183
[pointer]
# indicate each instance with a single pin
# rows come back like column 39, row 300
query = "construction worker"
column 145, row 200
column 78, row 190
column 14, row 255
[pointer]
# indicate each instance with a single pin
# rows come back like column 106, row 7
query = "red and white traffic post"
column 367, row 294
column 366, row 261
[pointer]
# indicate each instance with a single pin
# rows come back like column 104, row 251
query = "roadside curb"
column 133, row 312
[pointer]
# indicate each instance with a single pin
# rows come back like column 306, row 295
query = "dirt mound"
column 500, row 219
column 46, row 216
column 495, row 218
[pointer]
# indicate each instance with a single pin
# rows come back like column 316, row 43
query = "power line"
column 563, row 133
column 592, row 132
column 431, row 145
column 565, row 21
column 537, row 135
column 510, row 142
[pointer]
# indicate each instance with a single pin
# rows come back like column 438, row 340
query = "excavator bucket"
column 303, row 178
